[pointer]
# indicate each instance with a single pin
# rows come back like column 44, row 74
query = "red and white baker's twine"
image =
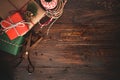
column 53, row 10
column 49, row 5
column 56, row 12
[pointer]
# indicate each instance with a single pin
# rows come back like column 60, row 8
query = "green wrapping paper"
column 11, row 46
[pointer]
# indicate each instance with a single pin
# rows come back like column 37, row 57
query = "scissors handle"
column 30, row 67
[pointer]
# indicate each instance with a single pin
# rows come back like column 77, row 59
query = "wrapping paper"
column 11, row 46
column 14, row 26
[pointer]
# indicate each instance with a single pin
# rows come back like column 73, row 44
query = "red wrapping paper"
column 19, row 30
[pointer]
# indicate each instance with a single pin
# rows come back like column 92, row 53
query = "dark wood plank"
column 83, row 44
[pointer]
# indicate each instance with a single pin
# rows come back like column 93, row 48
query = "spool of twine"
column 49, row 4
column 58, row 10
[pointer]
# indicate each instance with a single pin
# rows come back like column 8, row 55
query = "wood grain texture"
column 83, row 44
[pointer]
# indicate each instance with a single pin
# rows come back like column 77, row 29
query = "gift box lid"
column 15, row 26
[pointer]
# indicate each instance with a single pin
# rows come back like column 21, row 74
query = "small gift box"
column 11, row 46
column 14, row 26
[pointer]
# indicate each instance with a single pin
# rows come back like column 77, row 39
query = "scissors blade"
column 28, row 42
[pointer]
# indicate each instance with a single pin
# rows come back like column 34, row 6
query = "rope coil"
column 55, row 13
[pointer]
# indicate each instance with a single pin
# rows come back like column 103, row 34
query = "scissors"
column 26, row 55
column 30, row 68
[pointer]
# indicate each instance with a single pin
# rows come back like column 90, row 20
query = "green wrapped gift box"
column 11, row 46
